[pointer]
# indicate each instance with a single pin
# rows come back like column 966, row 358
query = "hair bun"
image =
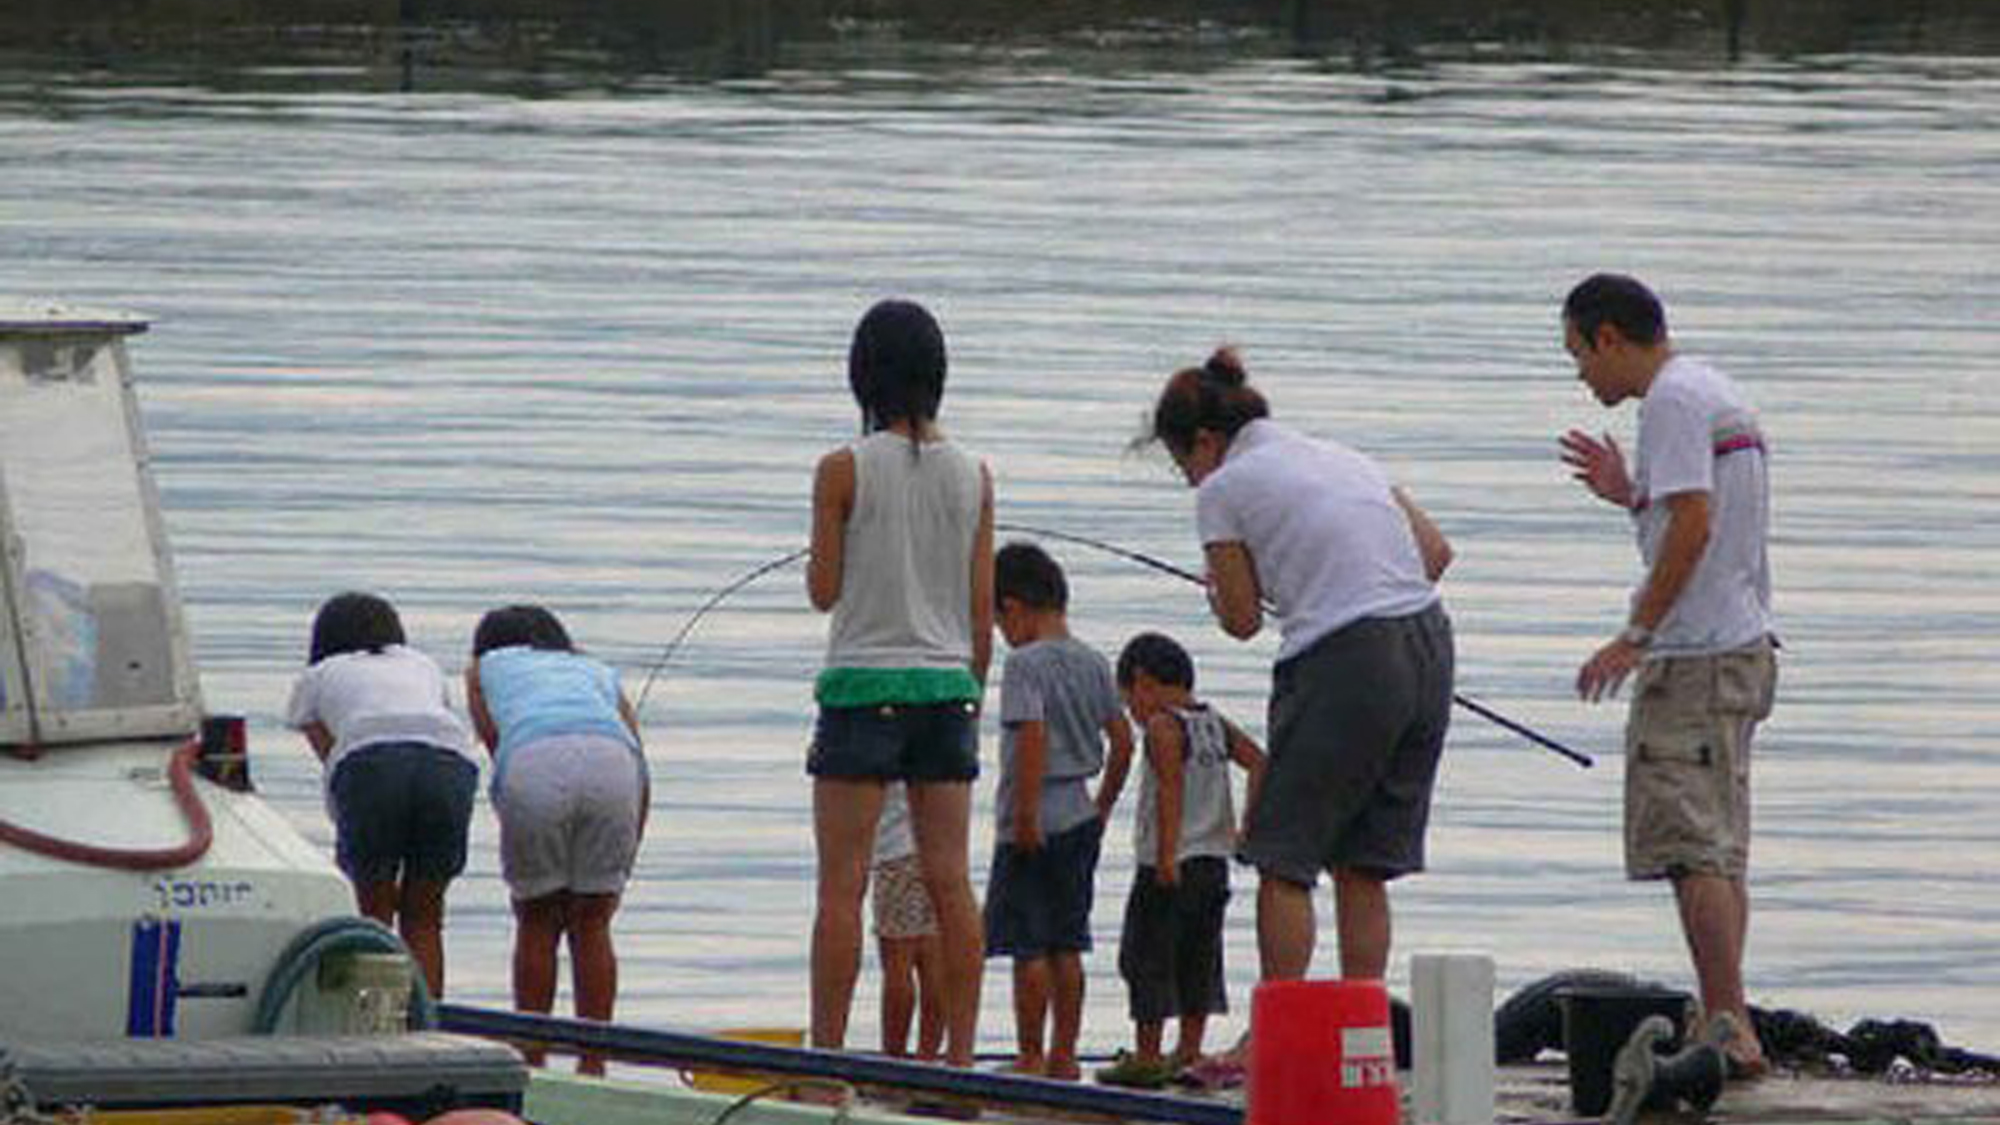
column 1226, row 367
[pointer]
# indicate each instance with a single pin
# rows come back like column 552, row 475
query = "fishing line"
column 1164, row 567
column 715, row 599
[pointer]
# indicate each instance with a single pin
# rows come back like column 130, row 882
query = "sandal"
column 1212, row 1074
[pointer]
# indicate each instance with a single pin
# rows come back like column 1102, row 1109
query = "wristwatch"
column 1638, row 636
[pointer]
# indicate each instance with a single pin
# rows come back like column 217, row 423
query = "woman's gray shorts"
column 1357, row 723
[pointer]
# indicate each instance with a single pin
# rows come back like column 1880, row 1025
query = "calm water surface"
column 473, row 348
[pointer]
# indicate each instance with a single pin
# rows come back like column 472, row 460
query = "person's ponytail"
column 1215, row 396
column 1225, row 369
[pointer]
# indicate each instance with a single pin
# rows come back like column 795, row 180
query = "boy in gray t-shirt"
column 1058, row 704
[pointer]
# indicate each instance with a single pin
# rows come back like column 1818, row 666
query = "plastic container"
column 711, row 1082
column 1597, row 1020
column 1321, row 1054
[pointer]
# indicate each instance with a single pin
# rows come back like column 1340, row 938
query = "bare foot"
column 1029, row 1065
column 1743, row 1053
column 1063, row 1070
column 1747, row 1066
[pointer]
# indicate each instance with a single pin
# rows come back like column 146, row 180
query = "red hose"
column 201, row 833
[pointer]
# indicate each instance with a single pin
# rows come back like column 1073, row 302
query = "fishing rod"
column 1164, row 567
column 1143, row 559
column 715, row 599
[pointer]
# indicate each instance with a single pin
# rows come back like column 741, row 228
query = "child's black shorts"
column 1171, row 951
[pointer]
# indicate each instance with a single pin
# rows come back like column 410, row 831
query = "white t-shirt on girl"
column 363, row 698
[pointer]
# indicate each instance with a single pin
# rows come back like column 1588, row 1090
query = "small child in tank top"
column 1170, row 953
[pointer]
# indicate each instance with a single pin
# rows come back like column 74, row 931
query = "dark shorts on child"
column 917, row 742
column 1171, row 951
column 1038, row 902
column 1357, row 723
column 401, row 810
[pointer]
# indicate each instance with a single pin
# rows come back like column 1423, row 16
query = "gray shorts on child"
column 569, row 815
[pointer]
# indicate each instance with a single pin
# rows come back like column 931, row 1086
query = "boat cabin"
column 92, row 645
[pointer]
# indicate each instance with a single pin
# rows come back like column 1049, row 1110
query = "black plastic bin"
column 1598, row 1020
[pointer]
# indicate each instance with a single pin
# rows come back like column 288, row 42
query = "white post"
column 1451, row 1025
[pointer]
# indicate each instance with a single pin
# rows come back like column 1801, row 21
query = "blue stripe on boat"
column 155, row 982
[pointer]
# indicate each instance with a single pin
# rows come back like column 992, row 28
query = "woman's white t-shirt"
column 1329, row 540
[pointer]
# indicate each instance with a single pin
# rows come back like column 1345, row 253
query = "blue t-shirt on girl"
column 534, row 693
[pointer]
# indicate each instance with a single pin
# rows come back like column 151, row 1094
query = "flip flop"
column 1212, row 1074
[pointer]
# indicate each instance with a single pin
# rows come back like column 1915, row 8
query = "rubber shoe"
column 1134, row 1072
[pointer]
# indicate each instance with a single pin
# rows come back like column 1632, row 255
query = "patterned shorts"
column 902, row 905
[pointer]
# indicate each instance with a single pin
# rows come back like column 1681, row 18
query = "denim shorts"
column 401, row 811
column 918, row 742
column 1038, row 902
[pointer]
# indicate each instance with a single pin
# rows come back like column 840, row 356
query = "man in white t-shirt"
column 1699, row 633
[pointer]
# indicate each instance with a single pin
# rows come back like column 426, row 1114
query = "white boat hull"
column 93, row 952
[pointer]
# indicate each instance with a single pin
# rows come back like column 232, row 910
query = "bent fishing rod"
column 715, row 599
column 746, row 578
column 1164, row 567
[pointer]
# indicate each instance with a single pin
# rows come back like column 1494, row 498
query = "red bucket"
column 1321, row 1053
